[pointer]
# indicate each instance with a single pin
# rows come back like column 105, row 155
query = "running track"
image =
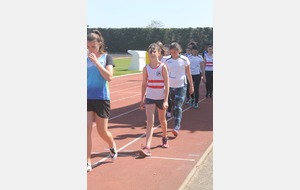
column 166, row 168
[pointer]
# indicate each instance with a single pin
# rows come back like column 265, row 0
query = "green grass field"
column 122, row 66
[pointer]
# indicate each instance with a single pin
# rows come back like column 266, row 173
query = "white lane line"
column 168, row 158
column 196, row 155
column 123, row 114
column 125, row 89
column 118, row 84
column 94, row 124
column 126, row 98
column 136, row 139
column 128, row 75
column 198, row 164
column 122, row 84
column 123, row 147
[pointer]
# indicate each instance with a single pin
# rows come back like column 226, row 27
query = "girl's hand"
column 142, row 106
column 191, row 90
column 165, row 105
column 93, row 57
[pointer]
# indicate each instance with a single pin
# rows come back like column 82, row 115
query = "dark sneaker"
column 165, row 143
column 89, row 167
column 187, row 101
column 145, row 151
column 175, row 132
column 113, row 154
column 196, row 106
column 191, row 102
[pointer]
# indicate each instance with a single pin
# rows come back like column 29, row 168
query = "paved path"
column 202, row 179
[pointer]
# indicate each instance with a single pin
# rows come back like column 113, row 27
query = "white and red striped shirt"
column 209, row 63
column 155, row 82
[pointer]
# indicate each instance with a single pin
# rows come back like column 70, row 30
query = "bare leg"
column 163, row 121
column 90, row 119
column 102, row 128
column 150, row 109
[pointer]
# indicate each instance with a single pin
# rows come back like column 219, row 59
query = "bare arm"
column 143, row 89
column 190, row 79
column 166, row 83
column 106, row 72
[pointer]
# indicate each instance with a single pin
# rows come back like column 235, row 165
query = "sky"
column 137, row 13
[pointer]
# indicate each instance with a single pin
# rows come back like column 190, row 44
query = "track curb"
column 193, row 171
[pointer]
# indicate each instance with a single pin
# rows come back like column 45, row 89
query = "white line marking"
column 127, row 75
column 123, row 114
column 126, row 89
column 194, row 155
column 118, row 84
column 191, row 174
column 168, row 158
column 126, row 98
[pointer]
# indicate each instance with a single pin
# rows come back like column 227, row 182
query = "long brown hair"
column 96, row 35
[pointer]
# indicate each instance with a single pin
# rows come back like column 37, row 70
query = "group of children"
column 168, row 78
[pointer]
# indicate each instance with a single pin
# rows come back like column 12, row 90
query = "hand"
column 92, row 57
column 191, row 90
column 142, row 106
column 165, row 105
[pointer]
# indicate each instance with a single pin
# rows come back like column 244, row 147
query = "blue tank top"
column 97, row 86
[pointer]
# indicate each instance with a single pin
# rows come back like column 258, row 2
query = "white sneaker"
column 89, row 167
column 113, row 154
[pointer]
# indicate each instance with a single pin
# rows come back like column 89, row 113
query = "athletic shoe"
column 89, row 167
column 165, row 143
column 169, row 114
column 195, row 106
column 175, row 132
column 187, row 101
column 191, row 102
column 113, row 154
column 145, row 151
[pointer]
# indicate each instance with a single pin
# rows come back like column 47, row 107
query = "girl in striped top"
column 155, row 91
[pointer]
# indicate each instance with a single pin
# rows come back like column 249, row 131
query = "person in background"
column 154, row 94
column 197, row 62
column 167, row 55
column 99, row 74
column 179, row 69
column 187, row 54
column 167, row 50
column 205, row 50
column 208, row 74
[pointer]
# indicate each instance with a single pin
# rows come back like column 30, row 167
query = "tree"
column 155, row 24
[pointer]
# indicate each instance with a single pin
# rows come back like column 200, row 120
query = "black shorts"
column 158, row 103
column 100, row 107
